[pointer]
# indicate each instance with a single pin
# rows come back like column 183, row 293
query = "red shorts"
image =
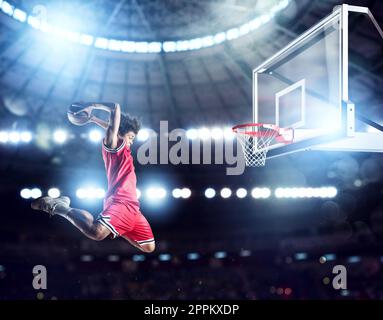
column 121, row 221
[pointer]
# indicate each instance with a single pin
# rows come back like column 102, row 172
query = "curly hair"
column 128, row 123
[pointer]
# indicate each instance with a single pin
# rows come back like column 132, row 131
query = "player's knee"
column 149, row 247
column 98, row 236
column 99, row 232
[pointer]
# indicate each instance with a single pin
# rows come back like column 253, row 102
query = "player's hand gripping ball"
column 79, row 114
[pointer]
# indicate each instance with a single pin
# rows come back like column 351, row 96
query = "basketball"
column 78, row 119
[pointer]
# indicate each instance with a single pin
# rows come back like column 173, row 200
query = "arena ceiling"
column 41, row 76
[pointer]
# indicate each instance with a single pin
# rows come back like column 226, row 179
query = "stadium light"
column 25, row 193
column 354, row 259
column 185, row 193
column 26, row 136
column 143, row 46
column 177, row 193
column 4, row 136
column 225, row 193
column 260, row 193
column 101, row 43
column 36, row 193
column 143, row 135
column 245, row 253
column 155, row 193
column 164, row 257
column 14, row 137
column 209, row 193
column 95, row 135
column 220, row 255
column 138, row 258
column 323, row 192
column 300, row 256
column 193, row 256
column 7, row 8
column 241, row 193
column 60, row 136
column 54, row 193
column 204, row 133
column 228, row 133
column 192, row 134
column 216, row 133
column 81, row 193
column 90, row 193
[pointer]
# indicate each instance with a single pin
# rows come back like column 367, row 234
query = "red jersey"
column 121, row 176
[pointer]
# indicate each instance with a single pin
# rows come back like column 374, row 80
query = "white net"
column 255, row 141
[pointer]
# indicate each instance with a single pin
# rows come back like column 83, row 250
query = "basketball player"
column 121, row 215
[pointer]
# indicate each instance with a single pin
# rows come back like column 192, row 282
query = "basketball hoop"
column 255, row 139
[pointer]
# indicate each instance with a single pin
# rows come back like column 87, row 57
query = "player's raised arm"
column 111, row 136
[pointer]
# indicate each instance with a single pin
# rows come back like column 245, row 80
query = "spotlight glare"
column 142, row 47
column 279, row 193
column 143, row 135
column 220, row 255
column 155, row 47
column 26, row 136
column 209, row 193
column 14, row 137
column 20, row 15
column 7, row 8
column 25, row 193
column 332, row 192
column 193, row 256
column 228, row 133
column 261, row 193
column 36, row 193
column 161, row 193
column 216, row 133
column 164, row 257
column 4, row 136
column 86, row 39
column 60, row 136
column 54, row 193
column 81, row 193
column 207, row 41
column 241, row 193
column 114, row 45
column 95, row 135
column 101, row 43
column 232, row 34
column 155, row 193
column 128, row 46
column 225, row 193
column 177, row 193
column 185, row 193
column 192, row 134
column 91, row 193
column 219, row 37
column 138, row 257
column 138, row 192
column 169, row 46
column 256, row 193
column 99, row 193
column 204, row 133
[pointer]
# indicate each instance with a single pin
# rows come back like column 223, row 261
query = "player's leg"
column 81, row 219
column 141, row 236
column 148, row 247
